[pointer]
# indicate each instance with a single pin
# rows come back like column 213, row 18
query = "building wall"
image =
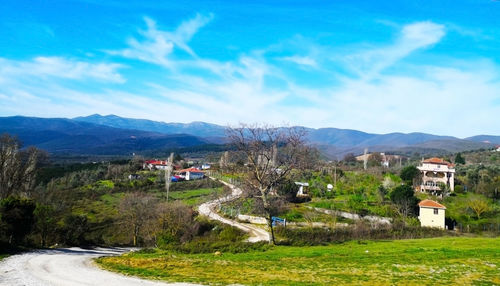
column 447, row 173
column 428, row 218
column 193, row 176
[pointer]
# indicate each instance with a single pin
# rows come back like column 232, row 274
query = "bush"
column 212, row 237
column 361, row 231
column 16, row 218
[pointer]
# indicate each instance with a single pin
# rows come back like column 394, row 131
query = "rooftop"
column 431, row 204
column 440, row 161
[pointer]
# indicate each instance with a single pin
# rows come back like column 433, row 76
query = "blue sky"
column 375, row 66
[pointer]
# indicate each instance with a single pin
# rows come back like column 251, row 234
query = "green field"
column 443, row 261
column 196, row 197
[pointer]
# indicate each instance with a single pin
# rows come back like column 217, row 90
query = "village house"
column 386, row 159
column 190, row 174
column 435, row 173
column 155, row 165
column 431, row 214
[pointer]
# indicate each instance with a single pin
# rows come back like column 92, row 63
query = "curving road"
column 208, row 209
column 66, row 267
column 74, row 266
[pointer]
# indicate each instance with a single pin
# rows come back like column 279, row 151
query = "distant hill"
column 111, row 134
column 485, row 139
column 60, row 135
column 200, row 129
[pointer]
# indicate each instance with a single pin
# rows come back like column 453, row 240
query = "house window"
column 436, row 211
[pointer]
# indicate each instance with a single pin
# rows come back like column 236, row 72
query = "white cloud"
column 58, row 67
column 157, row 45
column 369, row 63
column 454, row 99
column 303, row 61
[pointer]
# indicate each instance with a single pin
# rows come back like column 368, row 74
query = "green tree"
column 17, row 218
column 45, row 222
column 404, row 198
column 459, row 159
column 409, row 174
column 74, row 229
column 478, row 205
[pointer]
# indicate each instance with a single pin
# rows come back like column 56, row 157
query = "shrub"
column 361, row 230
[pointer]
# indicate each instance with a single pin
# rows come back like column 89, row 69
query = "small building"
column 385, row 159
column 302, row 189
column 434, row 172
column 190, row 174
column 431, row 214
column 155, row 165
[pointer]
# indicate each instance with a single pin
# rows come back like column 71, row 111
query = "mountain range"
column 114, row 135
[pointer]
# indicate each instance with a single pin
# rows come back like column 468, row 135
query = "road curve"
column 66, row 267
column 208, row 209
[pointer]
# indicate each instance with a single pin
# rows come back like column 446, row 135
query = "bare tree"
column 272, row 153
column 137, row 211
column 17, row 167
column 177, row 221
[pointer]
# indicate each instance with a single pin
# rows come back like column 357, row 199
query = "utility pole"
column 335, row 176
column 168, row 173
column 365, row 158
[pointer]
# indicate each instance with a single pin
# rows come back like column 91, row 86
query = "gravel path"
column 208, row 209
column 65, row 267
column 74, row 266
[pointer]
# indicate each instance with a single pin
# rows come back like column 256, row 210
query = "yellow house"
column 431, row 214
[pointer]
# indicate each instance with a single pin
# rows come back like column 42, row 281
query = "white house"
column 431, row 214
column 155, row 164
column 435, row 171
column 191, row 174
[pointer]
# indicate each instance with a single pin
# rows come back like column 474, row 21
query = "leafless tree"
column 272, row 153
column 137, row 211
column 176, row 220
column 17, row 167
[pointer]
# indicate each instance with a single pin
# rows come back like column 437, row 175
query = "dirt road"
column 65, row 267
column 208, row 209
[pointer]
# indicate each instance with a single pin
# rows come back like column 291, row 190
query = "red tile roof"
column 156, row 162
column 440, row 161
column 431, row 204
column 192, row 170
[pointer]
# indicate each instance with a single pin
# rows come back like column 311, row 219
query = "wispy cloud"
column 366, row 86
column 300, row 60
column 156, row 45
column 59, row 67
column 415, row 36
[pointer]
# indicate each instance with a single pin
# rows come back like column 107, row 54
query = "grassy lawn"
column 443, row 261
column 196, row 197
